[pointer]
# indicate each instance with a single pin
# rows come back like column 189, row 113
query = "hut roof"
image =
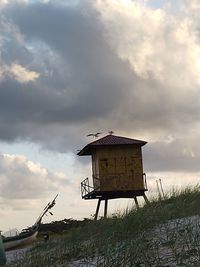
column 109, row 140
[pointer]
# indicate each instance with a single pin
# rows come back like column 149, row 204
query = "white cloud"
column 156, row 43
column 21, row 179
column 22, row 74
column 6, row 2
column 18, row 72
column 193, row 5
column 9, row 30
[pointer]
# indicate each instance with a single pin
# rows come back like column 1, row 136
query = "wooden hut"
column 117, row 170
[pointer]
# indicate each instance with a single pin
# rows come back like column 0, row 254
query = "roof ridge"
column 111, row 140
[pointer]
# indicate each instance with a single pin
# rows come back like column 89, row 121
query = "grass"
column 163, row 233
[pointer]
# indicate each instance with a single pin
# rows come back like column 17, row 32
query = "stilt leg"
column 105, row 208
column 145, row 198
column 97, row 209
column 136, row 202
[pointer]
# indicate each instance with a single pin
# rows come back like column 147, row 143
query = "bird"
column 111, row 132
column 95, row 135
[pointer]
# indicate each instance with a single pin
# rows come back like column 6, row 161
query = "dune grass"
column 163, row 233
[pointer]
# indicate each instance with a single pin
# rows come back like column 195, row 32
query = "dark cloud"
column 90, row 78
column 177, row 156
column 94, row 84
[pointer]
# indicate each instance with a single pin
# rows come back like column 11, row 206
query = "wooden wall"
column 117, row 168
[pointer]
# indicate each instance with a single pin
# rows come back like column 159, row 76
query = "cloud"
column 21, row 74
column 22, row 179
column 178, row 155
column 161, row 49
column 101, row 65
column 77, row 84
column 26, row 187
column 142, row 42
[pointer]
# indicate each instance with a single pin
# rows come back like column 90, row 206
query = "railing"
column 85, row 187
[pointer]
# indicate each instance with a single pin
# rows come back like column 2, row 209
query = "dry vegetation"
column 164, row 233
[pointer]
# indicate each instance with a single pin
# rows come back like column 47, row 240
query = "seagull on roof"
column 95, row 135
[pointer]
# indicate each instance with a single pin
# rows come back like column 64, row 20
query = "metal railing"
column 85, row 187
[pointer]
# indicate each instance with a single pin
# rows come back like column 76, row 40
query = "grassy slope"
column 152, row 236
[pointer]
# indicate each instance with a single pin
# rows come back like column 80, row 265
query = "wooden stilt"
column 105, row 208
column 145, row 198
column 136, row 202
column 97, row 209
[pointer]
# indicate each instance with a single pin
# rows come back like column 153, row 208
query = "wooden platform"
column 88, row 192
column 103, row 195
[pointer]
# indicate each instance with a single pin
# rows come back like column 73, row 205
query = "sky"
column 69, row 68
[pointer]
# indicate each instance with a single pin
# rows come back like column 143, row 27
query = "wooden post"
column 105, row 208
column 97, row 209
column 136, row 202
column 145, row 198
column 2, row 252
